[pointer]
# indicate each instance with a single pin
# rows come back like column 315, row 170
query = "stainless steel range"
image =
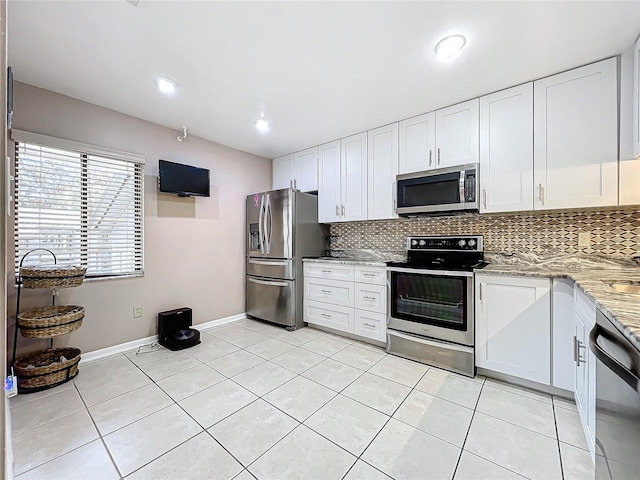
column 431, row 305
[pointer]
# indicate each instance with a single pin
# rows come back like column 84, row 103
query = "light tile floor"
column 256, row 401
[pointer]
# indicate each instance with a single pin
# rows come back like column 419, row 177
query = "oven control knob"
column 422, row 243
column 414, row 243
column 462, row 243
column 472, row 243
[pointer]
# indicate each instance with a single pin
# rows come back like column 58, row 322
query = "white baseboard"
column 220, row 321
column 125, row 347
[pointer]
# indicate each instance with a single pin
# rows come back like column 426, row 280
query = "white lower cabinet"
column 358, row 307
column 513, row 326
column 585, row 366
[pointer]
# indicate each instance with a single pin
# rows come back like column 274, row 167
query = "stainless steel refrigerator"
column 282, row 227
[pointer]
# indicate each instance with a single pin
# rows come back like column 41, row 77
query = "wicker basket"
column 52, row 276
column 50, row 321
column 46, row 368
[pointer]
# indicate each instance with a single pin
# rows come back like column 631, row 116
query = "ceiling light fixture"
column 166, row 85
column 262, row 125
column 450, row 47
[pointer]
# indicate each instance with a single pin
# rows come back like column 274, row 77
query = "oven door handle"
column 629, row 377
column 421, row 271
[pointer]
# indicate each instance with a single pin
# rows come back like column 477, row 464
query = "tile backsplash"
column 612, row 232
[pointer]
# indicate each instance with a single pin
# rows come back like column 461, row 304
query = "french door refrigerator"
column 282, row 227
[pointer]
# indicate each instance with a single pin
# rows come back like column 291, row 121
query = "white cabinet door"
column 636, row 99
column 382, row 168
column 576, row 138
column 417, row 143
column 305, row 167
column 282, row 172
column 585, row 366
column 563, row 330
column 506, row 150
column 329, row 182
column 457, row 132
column 354, row 177
column 513, row 326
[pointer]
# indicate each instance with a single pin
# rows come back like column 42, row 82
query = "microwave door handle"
column 462, row 177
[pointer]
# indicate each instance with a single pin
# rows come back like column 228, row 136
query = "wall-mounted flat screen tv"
column 183, row 180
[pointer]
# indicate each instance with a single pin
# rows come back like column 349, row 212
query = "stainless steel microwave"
column 452, row 189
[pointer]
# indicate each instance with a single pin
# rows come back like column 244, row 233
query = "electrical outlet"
column 584, row 239
column 137, row 311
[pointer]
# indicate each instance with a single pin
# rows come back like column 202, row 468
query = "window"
column 81, row 202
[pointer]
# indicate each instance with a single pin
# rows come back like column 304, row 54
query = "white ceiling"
column 320, row 70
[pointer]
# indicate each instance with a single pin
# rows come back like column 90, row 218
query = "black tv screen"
column 183, row 180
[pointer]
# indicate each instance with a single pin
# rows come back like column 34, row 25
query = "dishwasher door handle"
column 629, row 377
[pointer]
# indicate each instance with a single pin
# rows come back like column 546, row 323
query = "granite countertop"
column 591, row 275
column 347, row 261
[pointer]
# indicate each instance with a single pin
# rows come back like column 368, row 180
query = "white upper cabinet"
column 506, row 150
column 354, row 177
column 329, row 182
column 457, row 131
column 576, row 138
column 282, row 172
column 299, row 170
column 382, row 168
column 305, row 168
column 417, row 137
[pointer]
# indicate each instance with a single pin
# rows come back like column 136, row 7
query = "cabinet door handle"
column 430, row 157
column 370, row 299
column 369, row 275
column 337, row 211
column 541, row 193
column 343, row 210
column 325, row 291
column 325, row 271
column 325, row 315
column 295, row 184
column 480, row 287
column 484, row 198
column 438, row 155
column 368, row 325
column 579, row 359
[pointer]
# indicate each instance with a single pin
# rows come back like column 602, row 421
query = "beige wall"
column 193, row 247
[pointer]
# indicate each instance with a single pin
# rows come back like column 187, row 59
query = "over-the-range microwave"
column 452, row 189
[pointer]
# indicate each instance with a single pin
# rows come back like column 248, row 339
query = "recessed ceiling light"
column 262, row 125
column 166, row 85
column 450, row 47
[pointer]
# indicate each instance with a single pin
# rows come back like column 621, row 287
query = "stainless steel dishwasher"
column 617, row 402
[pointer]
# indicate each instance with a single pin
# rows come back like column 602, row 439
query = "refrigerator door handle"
column 260, row 232
column 278, row 263
column 268, row 282
column 267, row 224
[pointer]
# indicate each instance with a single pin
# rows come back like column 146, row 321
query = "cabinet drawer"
column 371, row 297
column 330, row 271
column 373, row 275
column 329, row 291
column 371, row 325
column 332, row 316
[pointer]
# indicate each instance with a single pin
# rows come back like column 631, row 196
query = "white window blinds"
column 83, row 203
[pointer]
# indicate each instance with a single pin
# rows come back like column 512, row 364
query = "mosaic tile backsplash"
column 613, row 232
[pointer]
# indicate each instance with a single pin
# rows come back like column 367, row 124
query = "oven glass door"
column 442, row 189
column 430, row 299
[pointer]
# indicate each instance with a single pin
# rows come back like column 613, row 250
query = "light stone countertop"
column 590, row 275
column 347, row 261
